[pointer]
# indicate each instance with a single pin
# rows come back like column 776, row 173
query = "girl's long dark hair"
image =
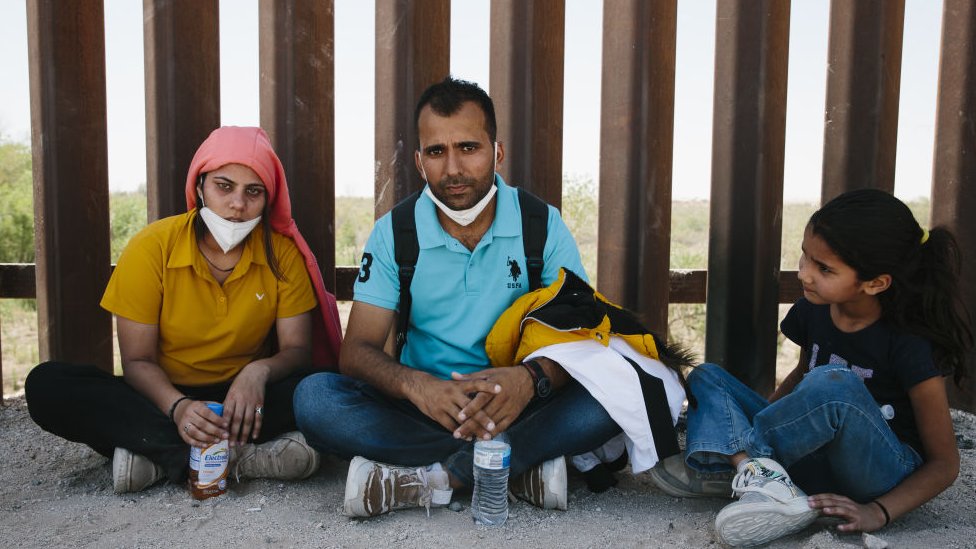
column 200, row 229
column 875, row 233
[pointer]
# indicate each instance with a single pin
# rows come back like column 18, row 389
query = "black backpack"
column 406, row 249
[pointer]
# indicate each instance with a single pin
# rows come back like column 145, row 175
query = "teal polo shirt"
column 458, row 294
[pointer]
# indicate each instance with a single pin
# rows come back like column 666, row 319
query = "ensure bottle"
column 208, row 466
column 489, row 502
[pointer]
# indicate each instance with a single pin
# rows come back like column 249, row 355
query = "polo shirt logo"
column 259, row 296
column 514, row 272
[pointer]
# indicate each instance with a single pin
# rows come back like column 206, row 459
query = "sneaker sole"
column 669, row 485
column 559, row 478
column 750, row 524
column 121, row 469
column 354, row 504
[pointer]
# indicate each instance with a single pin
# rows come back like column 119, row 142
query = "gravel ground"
column 55, row 493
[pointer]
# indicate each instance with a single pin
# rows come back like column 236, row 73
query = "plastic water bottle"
column 489, row 502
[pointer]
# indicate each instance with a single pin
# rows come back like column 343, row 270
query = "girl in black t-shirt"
column 863, row 420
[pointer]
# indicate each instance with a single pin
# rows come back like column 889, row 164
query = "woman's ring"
column 186, row 428
column 259, row 410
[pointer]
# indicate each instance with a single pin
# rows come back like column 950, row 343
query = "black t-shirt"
column 889, row 363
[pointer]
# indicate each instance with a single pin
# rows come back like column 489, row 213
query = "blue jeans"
column 348, row 417
column 829, row 432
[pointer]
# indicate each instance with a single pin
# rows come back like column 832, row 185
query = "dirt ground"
column 55, row 493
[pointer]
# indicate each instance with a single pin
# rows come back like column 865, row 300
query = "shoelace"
column 426, row 494
column 743, row 482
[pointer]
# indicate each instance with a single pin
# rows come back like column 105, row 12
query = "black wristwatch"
column 543, row 385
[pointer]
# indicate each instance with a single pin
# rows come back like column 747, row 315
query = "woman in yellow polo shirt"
column 216, row 304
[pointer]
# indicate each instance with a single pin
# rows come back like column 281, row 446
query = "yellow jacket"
column 567, row 310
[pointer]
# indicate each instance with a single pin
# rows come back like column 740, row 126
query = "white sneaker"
column 770, row 506
column 132, row 472
column 374, row 488
column 286, row 457
column 543, row 485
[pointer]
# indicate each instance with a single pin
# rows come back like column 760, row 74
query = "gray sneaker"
column 673, row 477
column 543, row 485
column 770, row 506
column 287, row 457
column 374, row 488
column 132, row 472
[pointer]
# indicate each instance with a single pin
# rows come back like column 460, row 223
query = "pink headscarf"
column 251, row 147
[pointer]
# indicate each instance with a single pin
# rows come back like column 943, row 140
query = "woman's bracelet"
column 883, row 510
column 172, row 409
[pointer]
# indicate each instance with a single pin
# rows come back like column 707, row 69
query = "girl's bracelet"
column 883, row 510
column 172, row 409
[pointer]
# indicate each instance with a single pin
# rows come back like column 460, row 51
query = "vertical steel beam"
column 954, row 166
column 412, row 52
column 182, row 45
column 66, row 52
column 751, row 56
column 863, row 79
column 526, row 72
column 636, row 138
column 297, row 110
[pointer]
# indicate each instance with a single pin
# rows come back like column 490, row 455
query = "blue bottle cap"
column 217, row 408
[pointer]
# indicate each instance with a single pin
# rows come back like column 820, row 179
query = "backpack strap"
column 535, row 227
column 406, row 250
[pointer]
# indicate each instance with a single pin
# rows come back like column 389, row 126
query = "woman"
column 211, row 305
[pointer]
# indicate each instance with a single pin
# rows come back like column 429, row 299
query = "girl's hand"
column 866, row 517
column 198, row 425
column 244, row 403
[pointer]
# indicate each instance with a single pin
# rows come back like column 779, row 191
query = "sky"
column 355, row 62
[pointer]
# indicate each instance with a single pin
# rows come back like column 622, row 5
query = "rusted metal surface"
column 863, row 79
column 751, row 53
column 66, row 51
column 636, row 137
column 297, row 111
column 954, row 167
column 526, row 81
column 182, row 94
column 412, row 52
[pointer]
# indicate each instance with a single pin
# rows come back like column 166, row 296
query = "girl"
column 863, row 421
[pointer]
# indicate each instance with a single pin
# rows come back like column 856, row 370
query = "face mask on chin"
column 464, row 217
column 228, row 234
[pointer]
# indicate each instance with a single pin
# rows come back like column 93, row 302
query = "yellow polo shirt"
column 207, row 332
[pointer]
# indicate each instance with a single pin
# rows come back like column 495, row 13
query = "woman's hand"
column 198, row 425
column 244, row 403
column 866, row 517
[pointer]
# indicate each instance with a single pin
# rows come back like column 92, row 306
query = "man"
column 424, row 411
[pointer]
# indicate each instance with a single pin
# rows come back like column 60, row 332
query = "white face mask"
column 464, row 217
column 227, row 233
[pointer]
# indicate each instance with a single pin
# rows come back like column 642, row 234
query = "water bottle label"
column 492, row 458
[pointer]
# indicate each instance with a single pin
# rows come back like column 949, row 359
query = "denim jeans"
column 829, row 432
column 348, row 417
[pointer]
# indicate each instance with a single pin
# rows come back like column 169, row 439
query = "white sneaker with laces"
column 133, row 472
column 543, row 485
column 285, row 457
column 770, row 505
column 374, row 488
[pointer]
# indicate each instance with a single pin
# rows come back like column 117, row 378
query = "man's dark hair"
column 446, row 97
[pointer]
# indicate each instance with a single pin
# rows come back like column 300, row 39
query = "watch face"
column 543, row 388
